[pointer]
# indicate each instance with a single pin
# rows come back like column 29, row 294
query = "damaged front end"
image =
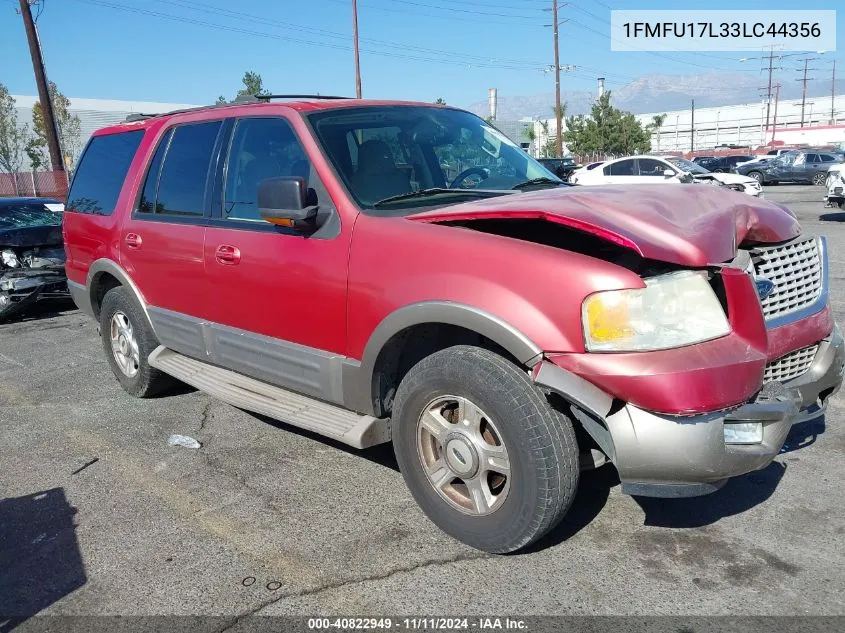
column 32, row 258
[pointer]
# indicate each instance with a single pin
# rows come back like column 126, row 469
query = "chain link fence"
column 36, row 184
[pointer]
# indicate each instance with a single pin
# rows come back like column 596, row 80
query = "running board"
column 360, row 431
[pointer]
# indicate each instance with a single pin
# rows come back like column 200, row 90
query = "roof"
column 141, row 121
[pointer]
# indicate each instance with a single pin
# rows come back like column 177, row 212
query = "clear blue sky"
column 190, row 51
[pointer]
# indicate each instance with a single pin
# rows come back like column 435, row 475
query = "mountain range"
column 656, row 93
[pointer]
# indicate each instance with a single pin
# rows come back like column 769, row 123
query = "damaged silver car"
column 32, row 254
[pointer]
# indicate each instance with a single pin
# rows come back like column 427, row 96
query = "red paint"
column 690, row 226
column 332, row 294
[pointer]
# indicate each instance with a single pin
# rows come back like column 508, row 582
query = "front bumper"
column 22, row 288
column 683, row 456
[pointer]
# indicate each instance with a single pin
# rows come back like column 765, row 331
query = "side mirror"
column 669, row 173
column 283, row 201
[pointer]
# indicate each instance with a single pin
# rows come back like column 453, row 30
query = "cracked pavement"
column 150, row 528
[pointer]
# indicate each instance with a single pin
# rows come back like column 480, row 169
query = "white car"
column 835, row 184
column 662, row 169
column 573, row 177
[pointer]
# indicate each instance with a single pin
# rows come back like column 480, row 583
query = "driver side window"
column 651, row 167
column 621, row 168
column 260, row 149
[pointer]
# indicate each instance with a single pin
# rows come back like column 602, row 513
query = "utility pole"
column 355, row 47
column 775, row 122
column 804, row 90
column 692, row 128
column 43, row 91
column 833, row 94
column 769, row 90
column 558, row 113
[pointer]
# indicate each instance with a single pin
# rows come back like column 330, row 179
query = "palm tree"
column 657, row 122
column 563, row 108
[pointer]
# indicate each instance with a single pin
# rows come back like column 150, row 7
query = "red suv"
column 383, row 271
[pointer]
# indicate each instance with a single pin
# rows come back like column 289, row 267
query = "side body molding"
column 358, row 376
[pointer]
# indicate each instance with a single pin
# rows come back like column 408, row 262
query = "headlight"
column 9, row 258
column 673, row 310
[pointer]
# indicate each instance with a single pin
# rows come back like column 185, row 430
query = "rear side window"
column 178, row 174
column 101, row 172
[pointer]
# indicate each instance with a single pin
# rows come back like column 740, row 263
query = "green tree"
column 563, row 108
column 657, row 122
column 440, row 101
column 13, row 135
column 253, row 85
column 69, row 130
column 606, row 130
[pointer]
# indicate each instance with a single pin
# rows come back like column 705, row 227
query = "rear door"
column 162, row 240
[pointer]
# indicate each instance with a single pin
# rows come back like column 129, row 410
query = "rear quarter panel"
column 89, row 237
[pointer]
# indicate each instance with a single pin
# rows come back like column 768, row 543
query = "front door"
column 162, row 240
column 277, row 297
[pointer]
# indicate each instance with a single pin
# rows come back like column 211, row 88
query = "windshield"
column 23, row 216
column 384, row 153
column 687, row 165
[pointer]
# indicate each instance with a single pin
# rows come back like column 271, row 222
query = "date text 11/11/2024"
column 419, row 624
column 706, row 30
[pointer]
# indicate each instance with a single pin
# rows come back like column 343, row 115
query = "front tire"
column 482, row 451
column 128, row 341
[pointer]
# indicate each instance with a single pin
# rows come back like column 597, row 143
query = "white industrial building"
column 94, row 113
column 740, row 125
column 745, row 125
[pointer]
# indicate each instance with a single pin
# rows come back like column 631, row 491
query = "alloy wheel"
column 463, row 455
column 124, row 345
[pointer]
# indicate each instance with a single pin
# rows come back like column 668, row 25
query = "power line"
column 240, row 15
column 438, row 16
column 234, row 29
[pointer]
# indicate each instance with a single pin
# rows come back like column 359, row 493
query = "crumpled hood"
column 685, row 225
column 728, row 179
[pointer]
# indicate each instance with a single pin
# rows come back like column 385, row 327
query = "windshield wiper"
column 433, row 191
column 538, row 181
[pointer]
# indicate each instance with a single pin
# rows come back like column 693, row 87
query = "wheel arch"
column 452, row 322
column 105, row 274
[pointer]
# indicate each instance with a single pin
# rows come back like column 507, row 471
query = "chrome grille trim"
column 790, row 365
column 799, row 271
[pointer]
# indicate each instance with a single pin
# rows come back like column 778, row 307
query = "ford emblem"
column 765, row 287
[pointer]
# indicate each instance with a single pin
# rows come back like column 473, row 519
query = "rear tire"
column 128, row 341
column 820, row 178
column 486, row 414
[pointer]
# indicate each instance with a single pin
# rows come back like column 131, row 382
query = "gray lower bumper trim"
column 683, row 456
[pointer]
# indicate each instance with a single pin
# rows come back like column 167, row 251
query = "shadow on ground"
column 41, row 310
column 381, row 454
column 40, row 561
column 832, row 217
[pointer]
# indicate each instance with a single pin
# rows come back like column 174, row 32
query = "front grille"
column 791, row 365
column 796, row 271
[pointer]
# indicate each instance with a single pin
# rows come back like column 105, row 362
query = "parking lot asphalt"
column 99, row 515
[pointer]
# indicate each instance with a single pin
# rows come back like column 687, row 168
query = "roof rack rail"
column 261, row 97
column 143, row 116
